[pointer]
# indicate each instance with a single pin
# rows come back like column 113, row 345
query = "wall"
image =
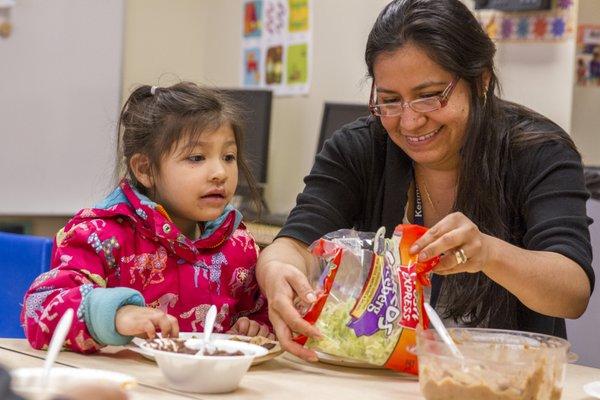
column 338, row 75
column 200, row 40
column 60, row 89
column 586, row 100
column 537, row 75
column 163, row 42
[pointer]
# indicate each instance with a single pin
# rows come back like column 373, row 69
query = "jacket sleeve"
column 83, row 258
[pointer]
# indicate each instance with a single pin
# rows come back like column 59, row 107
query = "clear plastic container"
column 497, row 364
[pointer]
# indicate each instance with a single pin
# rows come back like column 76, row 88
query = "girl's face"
column 434, row 138
column 197, row 180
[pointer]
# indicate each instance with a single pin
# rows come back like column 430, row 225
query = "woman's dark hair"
column 451, row 36
column 154, row 123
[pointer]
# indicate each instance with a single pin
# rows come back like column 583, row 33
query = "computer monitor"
column 336, row 115
column 256, row 110
column 256, row 114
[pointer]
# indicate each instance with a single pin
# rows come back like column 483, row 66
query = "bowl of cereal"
column 190, row 365
column 496, row 364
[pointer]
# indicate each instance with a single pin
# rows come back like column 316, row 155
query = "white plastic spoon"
column 442, row 331
column 56, row 344
column 209, row 323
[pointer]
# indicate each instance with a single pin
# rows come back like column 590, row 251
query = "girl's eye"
column 230, row 157
column 390, row 100
column 196, row 158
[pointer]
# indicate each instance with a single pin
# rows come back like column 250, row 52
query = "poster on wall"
column 587, row 61
column 276, row 46
column 554, row 25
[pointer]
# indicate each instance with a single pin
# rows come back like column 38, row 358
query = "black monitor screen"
column 256, row 105
column 336, row 115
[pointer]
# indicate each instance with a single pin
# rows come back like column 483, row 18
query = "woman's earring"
column 484, row 97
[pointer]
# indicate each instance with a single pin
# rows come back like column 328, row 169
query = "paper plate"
column 272, row 353
column 29, row 378
column 345, row 362
column 592, row 389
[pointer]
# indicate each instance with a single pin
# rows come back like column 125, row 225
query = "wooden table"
column 282, row 378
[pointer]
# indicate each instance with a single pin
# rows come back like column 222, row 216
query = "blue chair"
column 22, row 259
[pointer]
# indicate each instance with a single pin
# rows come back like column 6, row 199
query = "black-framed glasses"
column 422, row 105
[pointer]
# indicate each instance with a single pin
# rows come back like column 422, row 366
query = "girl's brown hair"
column 154, row 121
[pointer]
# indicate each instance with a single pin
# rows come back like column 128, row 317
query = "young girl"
column 165, row 245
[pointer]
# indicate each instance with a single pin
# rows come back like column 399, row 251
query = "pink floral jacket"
column 127, row 251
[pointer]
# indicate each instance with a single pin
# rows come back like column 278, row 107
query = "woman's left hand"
column 463, row 248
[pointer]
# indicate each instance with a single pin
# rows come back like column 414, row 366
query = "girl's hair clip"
column 153, row 90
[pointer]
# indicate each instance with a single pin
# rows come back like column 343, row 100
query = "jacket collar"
column 154, row 217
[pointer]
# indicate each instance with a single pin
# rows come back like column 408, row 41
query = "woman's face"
column 431, row 139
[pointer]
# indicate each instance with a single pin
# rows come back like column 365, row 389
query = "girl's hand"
column 143, row 321
column 247, row 327
column 462, row 246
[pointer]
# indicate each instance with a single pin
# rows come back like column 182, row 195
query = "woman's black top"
column 361, row 179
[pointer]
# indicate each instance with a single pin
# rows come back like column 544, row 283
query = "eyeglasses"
column 422, row 105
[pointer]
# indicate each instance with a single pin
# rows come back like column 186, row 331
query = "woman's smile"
column 422, row 140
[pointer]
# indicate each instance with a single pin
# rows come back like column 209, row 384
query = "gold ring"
column 460, row 255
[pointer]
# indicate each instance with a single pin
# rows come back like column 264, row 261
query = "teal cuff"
column 100, row 309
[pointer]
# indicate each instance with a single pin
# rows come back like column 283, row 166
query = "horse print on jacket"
column 199, row 312
column 34, row 304
column 149, row 266
column 106, row 247
column 164, row 302
column 241, row 279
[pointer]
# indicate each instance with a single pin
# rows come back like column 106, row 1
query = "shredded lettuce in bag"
column 341, row 341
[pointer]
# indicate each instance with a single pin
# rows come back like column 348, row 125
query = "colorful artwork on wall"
column 252, row 68
column 297, row 64
column 276, row 45
column 252, row 18
column 552, row 25
column 587, row 67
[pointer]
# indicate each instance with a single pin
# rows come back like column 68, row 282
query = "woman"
column 500, row 186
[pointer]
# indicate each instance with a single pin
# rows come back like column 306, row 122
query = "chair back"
column 22, row 259
column 583, row 332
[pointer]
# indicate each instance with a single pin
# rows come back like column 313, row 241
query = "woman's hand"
column 247, row 327
column 285, row 283
column 281, row 274
column 462, row 246
column 143, row 321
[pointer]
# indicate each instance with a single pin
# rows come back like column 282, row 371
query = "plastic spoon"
column 442, row 331
column 209, row 323
column 56, row 343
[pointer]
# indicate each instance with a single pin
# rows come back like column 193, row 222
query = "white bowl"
column 207, row 374
column 26, row 381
